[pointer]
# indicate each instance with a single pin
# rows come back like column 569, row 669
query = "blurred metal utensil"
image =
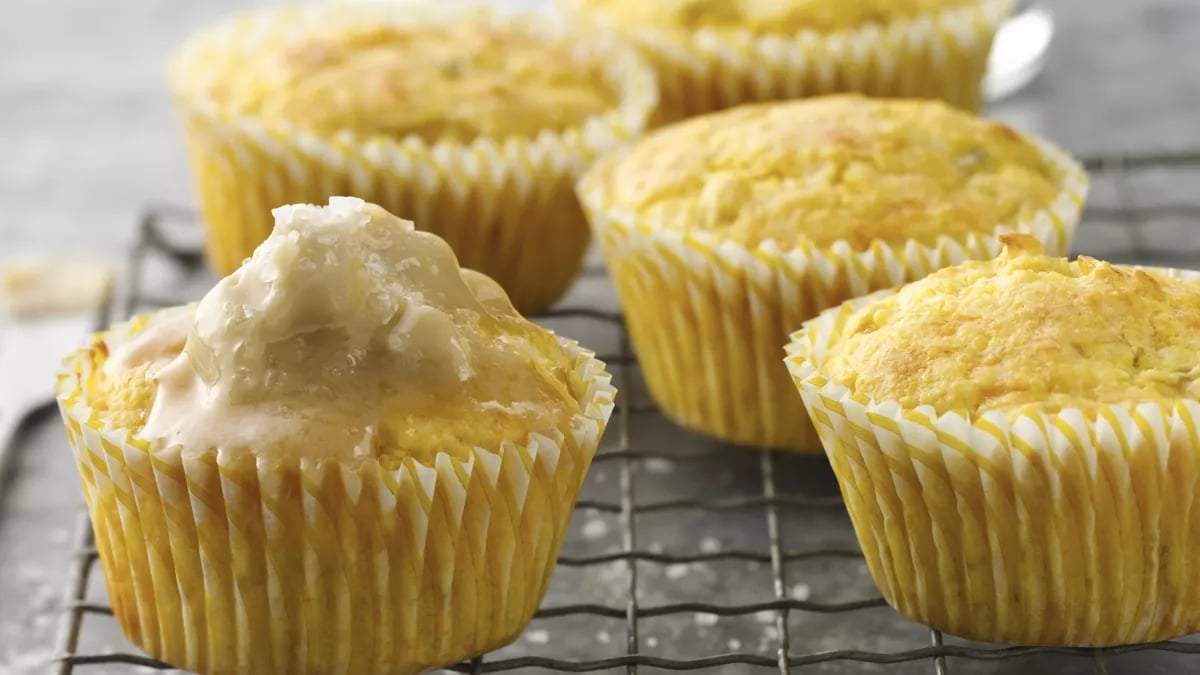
column 1019, row 51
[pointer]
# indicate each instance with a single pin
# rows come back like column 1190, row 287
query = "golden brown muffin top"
column 1025, row 331
column 823, row 170
column 768, row 16
column 437, row 80
column 348, row 334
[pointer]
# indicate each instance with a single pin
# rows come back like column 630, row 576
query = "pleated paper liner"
column 506, row 205
column 222, row 564
column 940, row 55
column 709, row 318
column 1073, row 528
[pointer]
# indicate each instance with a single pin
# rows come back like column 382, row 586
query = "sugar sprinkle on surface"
column 678, row 571
column 537, row 637
column 595, row 528
column 658, row 465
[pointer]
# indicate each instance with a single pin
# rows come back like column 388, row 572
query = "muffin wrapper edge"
column 218, row 563
column 940, row 55
column 1075, row 528
column 506, row 206
column 709, row 318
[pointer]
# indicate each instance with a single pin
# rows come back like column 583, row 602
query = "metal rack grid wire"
column 1125, row 214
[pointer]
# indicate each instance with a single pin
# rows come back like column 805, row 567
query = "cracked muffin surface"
column 838, row 168
column 460, row 80
column 775, row 16
column 1023, row 331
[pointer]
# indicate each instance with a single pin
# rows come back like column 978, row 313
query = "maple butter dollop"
column 347, row 334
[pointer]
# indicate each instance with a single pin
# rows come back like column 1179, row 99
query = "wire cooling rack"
column 688, row 556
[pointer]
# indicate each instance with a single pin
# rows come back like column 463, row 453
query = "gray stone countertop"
column 87, row 138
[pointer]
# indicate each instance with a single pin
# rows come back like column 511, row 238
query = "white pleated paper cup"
column 709, row 317
column 505, row 205
column 1070, row 528
column 219, row 562
column 941, row 55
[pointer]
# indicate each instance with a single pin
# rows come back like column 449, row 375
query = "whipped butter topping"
column 344, row 313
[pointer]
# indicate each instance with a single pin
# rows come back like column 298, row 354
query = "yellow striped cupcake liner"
column 709, row 317
column 222, row 564
column 505, row 205
column 1072, row 528
column 942, row 55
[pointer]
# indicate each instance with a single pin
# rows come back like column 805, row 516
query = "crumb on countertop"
column 53, row 286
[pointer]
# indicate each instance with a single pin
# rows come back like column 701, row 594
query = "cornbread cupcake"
column 714, row 54
column 350, row 456
column 726, row 232
column 475, row 125
column 1016, row 443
